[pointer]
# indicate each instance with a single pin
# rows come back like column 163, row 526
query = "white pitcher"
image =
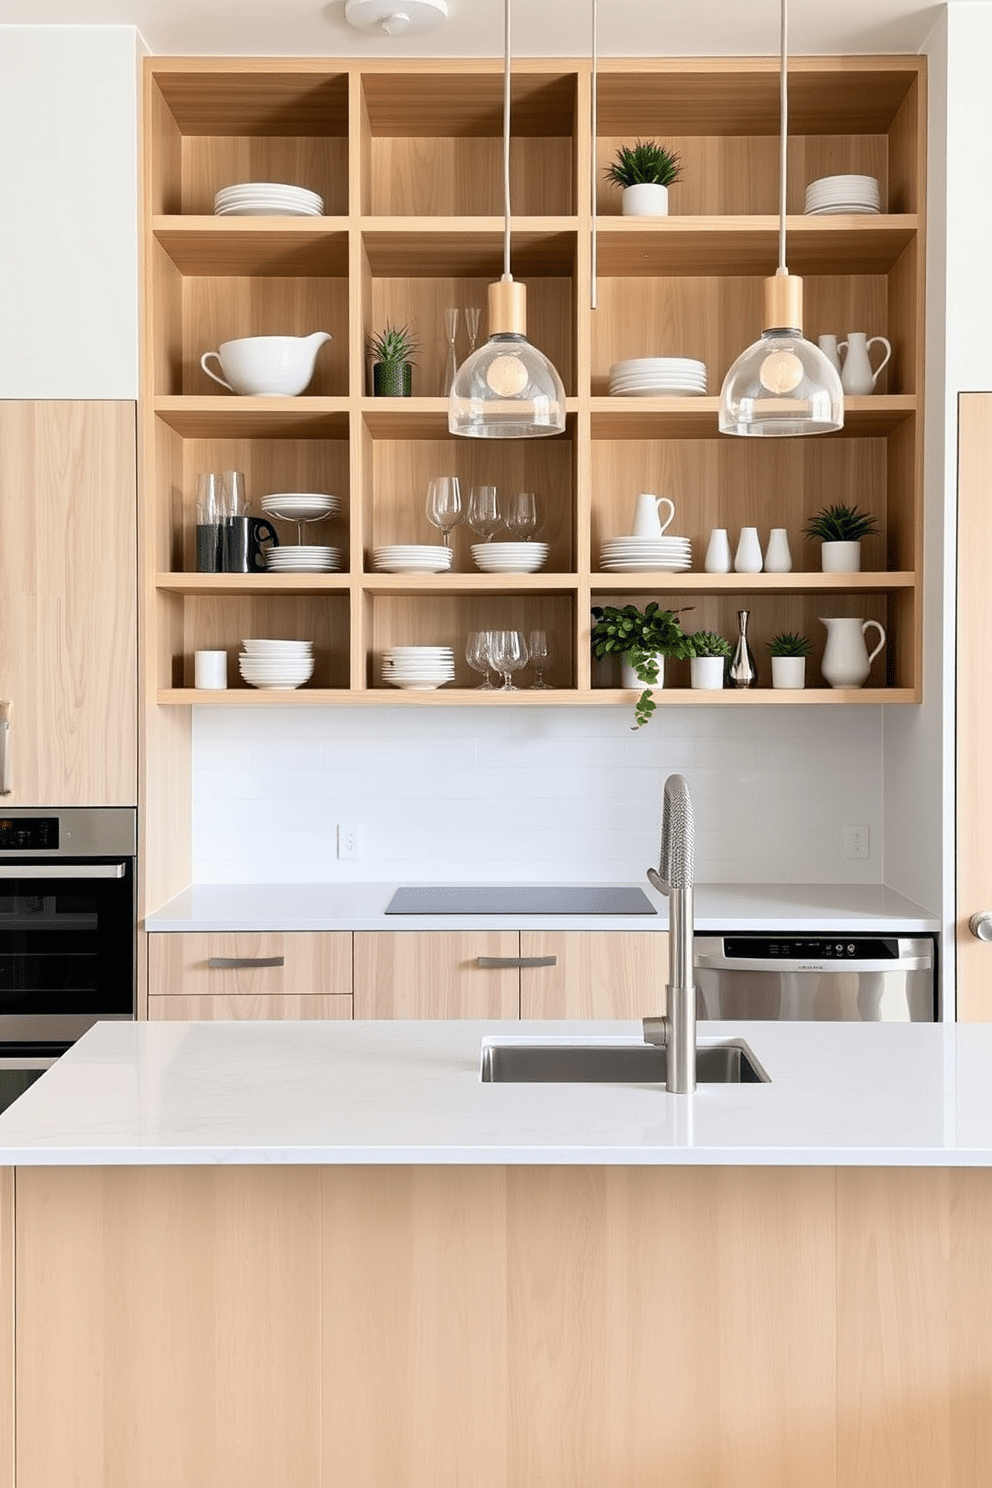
column 647, row 515
column 846, row 659
column 858, row 377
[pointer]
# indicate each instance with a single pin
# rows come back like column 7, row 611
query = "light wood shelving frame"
column 407, row 155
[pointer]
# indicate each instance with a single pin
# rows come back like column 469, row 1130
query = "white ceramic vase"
column 748, row 559
column 789, row 672
column 707, row 672
column 645, row 199
column 778, row 554
column 846, row 659
column 718, row 552
column 629, row 678
column 840, row 557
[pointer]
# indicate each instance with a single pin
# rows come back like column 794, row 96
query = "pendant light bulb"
column 781, row 372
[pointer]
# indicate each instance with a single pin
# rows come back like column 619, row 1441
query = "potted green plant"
column 641, row 639
column 840, row 529
column 788, row 652
column 710, row 652
column 644, row 171
column 392, row 352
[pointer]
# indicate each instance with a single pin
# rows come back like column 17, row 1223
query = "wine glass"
column 508, row 653
column 540, row 644
column 451, row 330
column 521, row 514
column 477, row 656
column 483, row 511
column 444, row 505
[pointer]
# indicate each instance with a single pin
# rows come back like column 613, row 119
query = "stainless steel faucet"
column 677, row 1029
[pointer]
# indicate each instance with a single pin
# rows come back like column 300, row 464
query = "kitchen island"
column 316, row 1254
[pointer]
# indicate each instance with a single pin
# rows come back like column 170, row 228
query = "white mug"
column 647, row 517
column 210, row 670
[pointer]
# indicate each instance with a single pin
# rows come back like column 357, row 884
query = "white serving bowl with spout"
column 266, row 366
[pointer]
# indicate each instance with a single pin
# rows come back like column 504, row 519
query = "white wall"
column 69, row 178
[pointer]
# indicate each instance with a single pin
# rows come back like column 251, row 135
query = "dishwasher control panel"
column 811, row 947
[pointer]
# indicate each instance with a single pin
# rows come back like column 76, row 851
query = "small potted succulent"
column 641, row 639
column 840, row 528
column 788, row 652
column 391, row 352
column 644, row 171
column 710, row 652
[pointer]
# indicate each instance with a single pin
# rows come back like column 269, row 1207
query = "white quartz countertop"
column 877, row 1094
column 361, row 906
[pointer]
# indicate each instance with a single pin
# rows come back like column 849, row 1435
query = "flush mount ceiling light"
column 396, row 17
column 783, row 384
column 507, row 389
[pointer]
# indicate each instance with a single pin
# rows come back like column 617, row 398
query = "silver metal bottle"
column 743, row 672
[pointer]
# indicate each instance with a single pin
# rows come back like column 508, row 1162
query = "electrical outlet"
column 351, row 842
column 857, row 842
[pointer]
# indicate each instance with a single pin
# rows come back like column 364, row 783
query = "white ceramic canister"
column 706, row 672
column 840, row 557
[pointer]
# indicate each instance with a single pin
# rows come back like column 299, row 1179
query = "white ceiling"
column 474, row 28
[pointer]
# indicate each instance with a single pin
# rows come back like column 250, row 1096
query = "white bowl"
column 266, row 366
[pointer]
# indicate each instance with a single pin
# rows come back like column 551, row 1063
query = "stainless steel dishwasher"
column 818, row 978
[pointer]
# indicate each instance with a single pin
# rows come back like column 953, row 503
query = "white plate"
column 412, row 568
column 845, row 211
column 638, row 567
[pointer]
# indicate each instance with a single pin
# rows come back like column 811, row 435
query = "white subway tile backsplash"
column 531, row 793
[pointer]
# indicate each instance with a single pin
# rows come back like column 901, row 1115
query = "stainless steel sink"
column 730, row 1062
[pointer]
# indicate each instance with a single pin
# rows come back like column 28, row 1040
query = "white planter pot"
column 840, row 557
column 629, row 678
column 707, row 672
column 789, row 671
column 646, row 199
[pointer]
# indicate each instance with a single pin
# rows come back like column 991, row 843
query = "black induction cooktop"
column 521, row 899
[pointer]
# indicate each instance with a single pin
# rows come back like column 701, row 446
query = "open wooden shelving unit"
column 407, row 156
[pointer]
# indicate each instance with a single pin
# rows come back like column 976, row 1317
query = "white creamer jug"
column 647, row 515
column 846, row 659
column 857, row 376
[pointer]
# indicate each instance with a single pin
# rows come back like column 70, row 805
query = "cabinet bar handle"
column 490, row 962
column 238, row 963
column 6, row 708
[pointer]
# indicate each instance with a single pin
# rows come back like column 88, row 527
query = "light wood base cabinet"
column 433, row 1327
column 240, row 975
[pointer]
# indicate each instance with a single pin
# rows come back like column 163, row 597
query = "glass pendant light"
column 507, row 389
column 783, row 384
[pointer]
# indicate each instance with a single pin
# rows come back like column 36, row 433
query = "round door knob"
column 980, row 924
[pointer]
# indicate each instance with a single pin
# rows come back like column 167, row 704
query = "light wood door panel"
column 597, row 974
column 6, row 1328
column 435, row 974
column 313, row 964
column 206, row 1009
column 68, row 581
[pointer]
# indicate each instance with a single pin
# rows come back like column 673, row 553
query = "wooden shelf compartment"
column 696, row 417
column 760, row 583
column 232, row 585
column 525, row 697
column 677, row 246
column 220, row 623
column 255, row 247
column 226, row 416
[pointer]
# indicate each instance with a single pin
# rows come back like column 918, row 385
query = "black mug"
column 244, row 541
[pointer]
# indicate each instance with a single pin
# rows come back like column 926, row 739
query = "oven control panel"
column 27, row 833
column 812, row 947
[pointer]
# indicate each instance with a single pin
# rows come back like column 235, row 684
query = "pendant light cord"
column 783, row 93
column 506, row 140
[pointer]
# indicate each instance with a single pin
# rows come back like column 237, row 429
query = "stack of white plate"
column 510, row 557
column 302, row 558
column 646, row 555
column 418, row 668
column 832, row 195
column 300, row 506
column 267, row 199
column 412, row 558
column 658, row 377
column 276, row 664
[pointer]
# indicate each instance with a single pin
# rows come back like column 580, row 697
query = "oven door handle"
column 62, row 870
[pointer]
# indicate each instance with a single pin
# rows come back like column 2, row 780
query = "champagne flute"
column 521, row 515
column 451, row 330
column 472, row 317
column 540, row 644
column 508, row 653
column 444, row 505
column 477, row 656
column 483, row 511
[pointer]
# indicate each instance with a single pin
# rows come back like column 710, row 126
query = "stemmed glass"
column 508, row 653
column 521, row 514
column 472, row 317
column 477, row 655
column 444, row 505
column 540, row 644
column 483, row 511
column 451, row 331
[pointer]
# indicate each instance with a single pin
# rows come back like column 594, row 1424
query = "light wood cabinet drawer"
column 207, row 1009
column 257, row 966
column 595, row 973
column 436, row 974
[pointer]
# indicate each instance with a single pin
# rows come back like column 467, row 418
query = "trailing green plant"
column 393, row 346
column 840, row 523
column 787, row 643
column 647, row 162
column 638, row 637
column 708, row 643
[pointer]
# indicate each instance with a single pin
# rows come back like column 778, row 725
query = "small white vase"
column 645, row 199
column 747, row 559
column 778, row 554
column 629, row 678
column 707, row 672
column 840, row 557
column 789, row 671
column 718, row 553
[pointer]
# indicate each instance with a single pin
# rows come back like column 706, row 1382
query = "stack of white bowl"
column 831, row 196
column 418, row 668
column 412, row 558
column 510, row 557
column 280, row 665
column 267, row 199
column 658, row 377
column 646, row 555
column 302, row 558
